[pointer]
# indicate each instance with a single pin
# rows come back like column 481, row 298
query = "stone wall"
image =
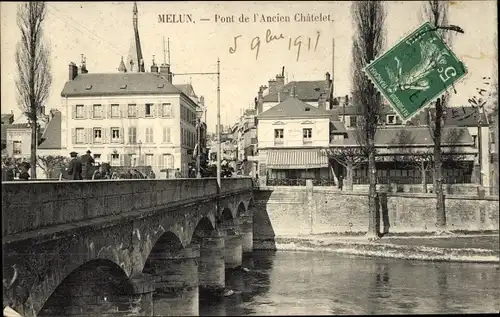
column 33, row 205
column 302, row 211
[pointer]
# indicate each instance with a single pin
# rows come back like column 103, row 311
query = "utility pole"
column 218, row 118
column 218, row 125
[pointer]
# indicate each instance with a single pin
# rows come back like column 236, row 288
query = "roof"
column 337, row 127
column 6, row 118
column 111, row 84
column 187, row 89
column 294, row 108
column 51, row 137
column 303, row 90
column 455, row 116
column 296, row 159
column 411, row 136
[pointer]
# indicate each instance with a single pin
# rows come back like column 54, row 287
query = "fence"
column 298, row 182
column 412, row 180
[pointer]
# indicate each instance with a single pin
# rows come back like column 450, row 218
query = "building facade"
column 291, row 137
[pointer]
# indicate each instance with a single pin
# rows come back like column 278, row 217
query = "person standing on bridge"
column 75, row 167
column 87, row 161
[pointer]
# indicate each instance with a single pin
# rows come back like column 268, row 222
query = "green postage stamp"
column 415, row 71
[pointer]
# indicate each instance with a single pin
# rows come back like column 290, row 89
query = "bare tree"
column 350, row 158
column 437, row 13
column 33, row 68
column 50, row 163
column 368, row 41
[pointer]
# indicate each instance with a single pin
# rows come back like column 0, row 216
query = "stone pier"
column 176, row 276
column 211, row 267
column 233, row 250
column 247, row 234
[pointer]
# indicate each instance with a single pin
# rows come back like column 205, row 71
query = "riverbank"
column 478, row 248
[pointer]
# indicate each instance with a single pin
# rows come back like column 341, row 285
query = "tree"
column 51, row 163
column 437, row 13
column 349, row 157
column 368, row 41
column 33, row 68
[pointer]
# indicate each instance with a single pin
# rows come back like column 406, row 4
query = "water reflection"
column 294, row 283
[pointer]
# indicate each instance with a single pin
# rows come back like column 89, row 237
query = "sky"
column 102, row 31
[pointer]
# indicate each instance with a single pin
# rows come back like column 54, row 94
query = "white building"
column 130, row 118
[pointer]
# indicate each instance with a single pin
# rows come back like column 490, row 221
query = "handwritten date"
column 298, row 43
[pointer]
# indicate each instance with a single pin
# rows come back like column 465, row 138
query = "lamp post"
column 218, row 115
column 140, row 156
column 198, row 147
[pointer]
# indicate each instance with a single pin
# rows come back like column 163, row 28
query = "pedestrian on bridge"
column 75, row 167
column 87, row 163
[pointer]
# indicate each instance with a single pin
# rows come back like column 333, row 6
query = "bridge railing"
column 32, row 205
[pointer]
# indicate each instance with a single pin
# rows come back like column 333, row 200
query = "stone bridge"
column 90, row 248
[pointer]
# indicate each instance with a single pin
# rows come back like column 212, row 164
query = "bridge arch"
column 168, row 242
column 241, row 211
column 98, row 285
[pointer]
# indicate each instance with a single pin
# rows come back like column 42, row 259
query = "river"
column 292, row 283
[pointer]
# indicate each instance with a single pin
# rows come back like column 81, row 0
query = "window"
column 132, row 110
column 353, row 121
column 168, row 161
column 307, row 135
column 338, row 137
column 182, row 136
column 115, row 159
column 149, row 160
column 80, row 111
column 278, row 136
column 474, row 138
column 80, row 135
column 132, row 135
column 17, row 148
column 115, row 111
column 166, row 135
column 166, row 110
column 148, row 111
column 391, row 119
column 97, row 135
column 149, row 135
column 115, row 134
column 97, row 111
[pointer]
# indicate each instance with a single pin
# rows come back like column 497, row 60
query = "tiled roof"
column 303, row 90
column 187, row 89
column 293, row 108
column 296, row 158
column 411, row 135
column 111, row 84
column 51, row 138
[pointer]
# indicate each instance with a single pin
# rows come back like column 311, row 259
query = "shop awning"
column 296, row 159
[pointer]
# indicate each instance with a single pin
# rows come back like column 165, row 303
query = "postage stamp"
column 416, row 71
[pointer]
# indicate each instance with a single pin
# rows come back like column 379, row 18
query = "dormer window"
column 161, row 85
column 317, row 89
column 123, row 86
column 88, row 87
column 308, row 109
column 391, row 119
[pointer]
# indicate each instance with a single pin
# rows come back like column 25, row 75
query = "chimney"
column 83, row 67
column 165, row 70
column 73, row 71
column 423, row 117
column 154, row 67
column 322, row 101
column 202, row 100
column 272, row 86
column 260, row 98
column 280, row 79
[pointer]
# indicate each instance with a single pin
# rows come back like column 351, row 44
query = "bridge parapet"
column 28, row 206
